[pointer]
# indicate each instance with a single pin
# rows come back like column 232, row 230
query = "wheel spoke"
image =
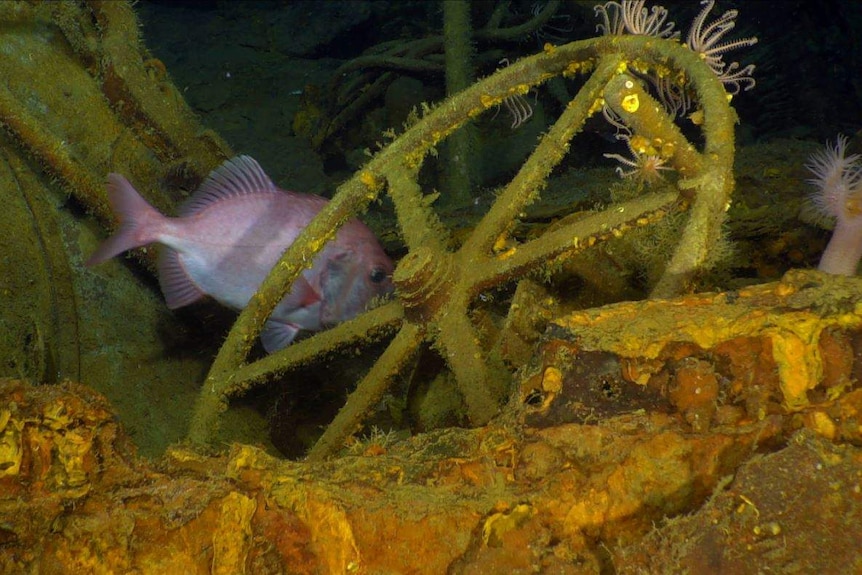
column 458, row 343
column 524, row 187
column 368, row 327
column 571, row 239
column 419, row 224
column 435, row 286
column 369, row 391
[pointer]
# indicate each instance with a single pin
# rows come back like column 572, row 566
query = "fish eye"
column 378, row 275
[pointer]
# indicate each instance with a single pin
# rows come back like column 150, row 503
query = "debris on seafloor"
column 699, row 413
column 82, row 96
column 779, row 508
column 135, row 129
column 632, row 415
column 714, row 358
column 434, row 300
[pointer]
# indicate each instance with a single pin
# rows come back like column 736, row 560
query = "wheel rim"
column 433, row 295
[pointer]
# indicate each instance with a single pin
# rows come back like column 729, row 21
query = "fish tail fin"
column 138, row 220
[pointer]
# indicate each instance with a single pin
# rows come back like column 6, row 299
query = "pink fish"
column 230, row 234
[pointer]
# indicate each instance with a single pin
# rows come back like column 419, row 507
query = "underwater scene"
column 431, row 286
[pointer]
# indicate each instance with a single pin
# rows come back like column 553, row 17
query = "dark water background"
column 244, row 65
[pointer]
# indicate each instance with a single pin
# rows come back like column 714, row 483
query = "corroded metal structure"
column 586, row 478
column 630, row 474
column 146, row 131
column 81, row 96
column 433, row 299
column 93, row 73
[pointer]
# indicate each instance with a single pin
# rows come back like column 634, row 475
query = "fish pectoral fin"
column 277, row 335
column 176, row 284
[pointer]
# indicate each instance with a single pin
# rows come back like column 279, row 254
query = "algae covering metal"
column 435, row 291
column 39, row 325
column 633, row 415
column 785, row 347
column 82, row 97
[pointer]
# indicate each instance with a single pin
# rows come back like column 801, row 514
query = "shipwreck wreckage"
column 702, row 381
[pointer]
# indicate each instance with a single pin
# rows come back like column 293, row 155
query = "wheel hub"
column 423, row 281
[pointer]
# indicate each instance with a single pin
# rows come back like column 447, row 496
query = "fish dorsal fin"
column 239, row 176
